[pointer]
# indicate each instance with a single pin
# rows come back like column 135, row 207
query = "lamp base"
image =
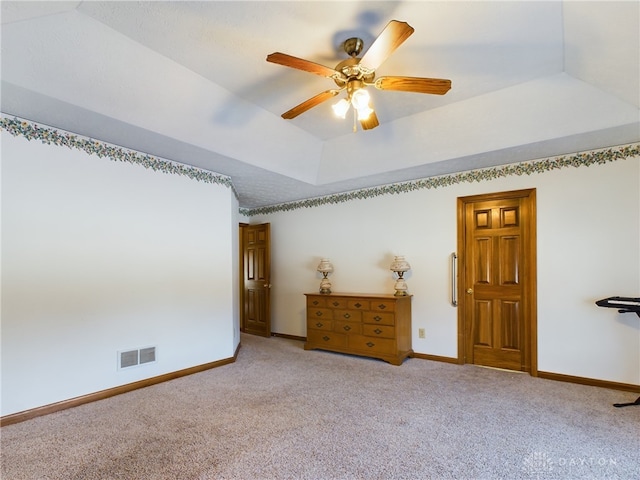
column 325, row 286
column 401, row 287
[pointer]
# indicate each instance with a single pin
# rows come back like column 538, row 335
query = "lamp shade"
column 399, row 264
column 325, row 266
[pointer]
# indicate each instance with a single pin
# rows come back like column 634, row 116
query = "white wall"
column 101, row 256
column 236, row 218
column 588, row 248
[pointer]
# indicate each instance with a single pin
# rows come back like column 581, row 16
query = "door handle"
column 454, row 278
column 267, row 285
column 469, row 291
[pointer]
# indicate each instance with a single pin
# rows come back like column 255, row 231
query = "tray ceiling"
column 188, row 81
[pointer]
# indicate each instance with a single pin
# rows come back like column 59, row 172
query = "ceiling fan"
column 355, row 74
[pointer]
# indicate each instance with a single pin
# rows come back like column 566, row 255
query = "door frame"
column 530, row 304
column 241, row 228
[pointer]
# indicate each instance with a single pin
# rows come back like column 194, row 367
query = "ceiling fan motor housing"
column 352, row 70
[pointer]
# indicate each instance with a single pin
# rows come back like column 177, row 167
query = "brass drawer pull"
column 347, row 315
column 335, row 304
column 378, row 331
column 325, row 338
column 319, row 325
column 371, row 344
column 315, row 302
column 358, row 305
column 318, row 314
column 382, row 306
column 347, row 327
column 377, row 318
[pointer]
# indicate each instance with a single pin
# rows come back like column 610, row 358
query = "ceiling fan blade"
column 308, row 104
column 437, row 86
column 306, row 65
column 370, row 122
column 393, row 35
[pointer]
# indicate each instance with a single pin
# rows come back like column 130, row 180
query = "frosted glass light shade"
column 363, row 113
column 341, row 107
column 360, row 99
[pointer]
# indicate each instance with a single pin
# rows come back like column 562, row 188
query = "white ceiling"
column 188, row 81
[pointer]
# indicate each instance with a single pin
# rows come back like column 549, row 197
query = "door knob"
column 469, row 291
column 267, row 285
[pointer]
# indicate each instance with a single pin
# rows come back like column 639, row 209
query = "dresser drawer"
column 358, row 304
column 313, row 302
column 347, row 315
column 347, row 327
column 379, row 318
column 319, row 313
column 328, row 339
column 320, row 324
column 382, row 306
column 337, row 302
column 380, row 331
column 372, row 345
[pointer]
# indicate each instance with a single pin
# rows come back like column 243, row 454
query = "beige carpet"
column 280, row 412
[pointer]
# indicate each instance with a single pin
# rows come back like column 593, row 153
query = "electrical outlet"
column 421, row 333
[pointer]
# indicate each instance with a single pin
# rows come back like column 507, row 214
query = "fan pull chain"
column 355, row 121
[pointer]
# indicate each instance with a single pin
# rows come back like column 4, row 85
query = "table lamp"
column 399, row 266
column 325, row 268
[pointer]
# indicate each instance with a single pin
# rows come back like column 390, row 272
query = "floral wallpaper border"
column 51, row 136
column 32, row 131
column 584, row 159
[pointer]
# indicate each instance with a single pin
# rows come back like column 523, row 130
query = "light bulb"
column 360, row 99
column 341, row 108
column 363, row 113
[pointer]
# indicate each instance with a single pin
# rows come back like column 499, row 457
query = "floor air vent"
column 131, row 358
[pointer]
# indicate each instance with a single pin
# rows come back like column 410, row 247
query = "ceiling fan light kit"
column 355, row 74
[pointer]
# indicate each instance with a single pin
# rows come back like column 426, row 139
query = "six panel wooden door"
column 496, row 307
column 257, row 277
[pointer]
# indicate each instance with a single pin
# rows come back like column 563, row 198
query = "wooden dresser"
column 372, row 325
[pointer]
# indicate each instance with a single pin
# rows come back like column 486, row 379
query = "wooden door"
column 497, row 282
column 256, row 261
